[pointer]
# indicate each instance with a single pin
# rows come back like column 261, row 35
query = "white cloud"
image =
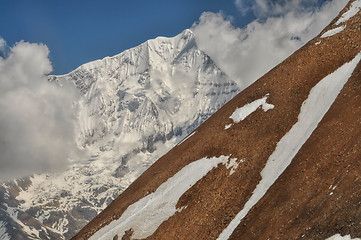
column 247, row 54
column 3, row 46
column 243, row 6
column 268, row 8
column 36, row 117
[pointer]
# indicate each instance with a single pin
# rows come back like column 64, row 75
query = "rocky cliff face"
column 136, row 106
column 278, row 161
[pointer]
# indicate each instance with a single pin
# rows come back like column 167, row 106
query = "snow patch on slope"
column 354, row 8
column 334, row 31
column 241, row 113
column 313, row 109
column 233, row 165
column 339, row 237
column 186, row 138
column 146, row 215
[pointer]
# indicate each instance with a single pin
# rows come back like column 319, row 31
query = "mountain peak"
column 187, row 34
column 169, row 49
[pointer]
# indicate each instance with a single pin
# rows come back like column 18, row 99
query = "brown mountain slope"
column 299, row 202
column 319, row 193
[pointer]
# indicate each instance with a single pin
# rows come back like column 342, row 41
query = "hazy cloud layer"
column 36, row 117
column 247, row 54
column 3, row 47
column 267, row 8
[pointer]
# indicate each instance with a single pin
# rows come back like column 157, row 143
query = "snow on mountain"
column 352, row 11
column 148, row 93
column 339, row 237
column 281, row 160
column 136, row 106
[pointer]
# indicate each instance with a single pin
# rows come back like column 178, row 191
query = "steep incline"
column 279, row 161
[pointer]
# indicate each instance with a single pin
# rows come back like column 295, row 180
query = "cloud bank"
column 36, row 117
column 282, row 27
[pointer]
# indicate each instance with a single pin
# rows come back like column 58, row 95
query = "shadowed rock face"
column 23, row 218
column 315, row 197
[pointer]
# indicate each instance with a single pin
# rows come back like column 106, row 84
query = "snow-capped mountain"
column 148, row 94
column 135, row 107
column 281, row 160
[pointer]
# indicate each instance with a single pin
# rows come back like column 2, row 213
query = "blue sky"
column 80, row 31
